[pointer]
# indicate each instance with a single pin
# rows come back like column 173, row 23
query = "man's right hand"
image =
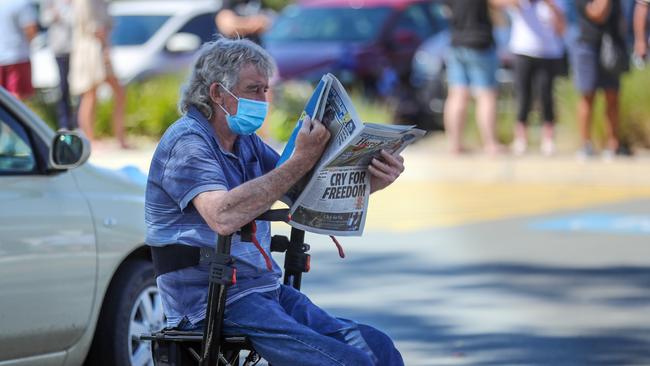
column 310, row 142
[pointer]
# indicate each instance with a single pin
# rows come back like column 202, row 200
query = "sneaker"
column 519, row 147
column 608, row 155
column 624, row 149
column 548, row 147
column 586, row 152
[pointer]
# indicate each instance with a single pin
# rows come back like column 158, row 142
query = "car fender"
column 120, row 230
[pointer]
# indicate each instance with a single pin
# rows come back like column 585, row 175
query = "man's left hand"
column 384, row 170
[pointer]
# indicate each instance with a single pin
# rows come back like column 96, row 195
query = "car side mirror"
column 183, row 42
column 69, row 150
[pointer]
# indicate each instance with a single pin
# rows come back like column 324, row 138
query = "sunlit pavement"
column 494, row 261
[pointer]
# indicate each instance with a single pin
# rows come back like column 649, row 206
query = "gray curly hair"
column 220, row 61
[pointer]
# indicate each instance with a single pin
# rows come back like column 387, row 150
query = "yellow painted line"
column 411, row 205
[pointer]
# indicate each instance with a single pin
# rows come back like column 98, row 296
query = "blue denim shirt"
column 189, row 161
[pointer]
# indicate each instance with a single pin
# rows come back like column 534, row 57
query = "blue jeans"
column 286, row 328
column 474, row 68
column 65, row 115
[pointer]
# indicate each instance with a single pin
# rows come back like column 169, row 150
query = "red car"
column 357, row 40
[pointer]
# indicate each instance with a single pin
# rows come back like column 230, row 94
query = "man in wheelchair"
column 211, row 174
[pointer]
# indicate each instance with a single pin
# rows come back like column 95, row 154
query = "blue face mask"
column 249, row 117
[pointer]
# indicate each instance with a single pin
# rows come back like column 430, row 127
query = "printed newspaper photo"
column 333, row 198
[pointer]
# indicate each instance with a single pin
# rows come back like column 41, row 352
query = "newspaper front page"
column 335, row 198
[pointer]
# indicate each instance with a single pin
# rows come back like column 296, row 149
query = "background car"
column 355, row 40
column 148, row 38
column 75, row 275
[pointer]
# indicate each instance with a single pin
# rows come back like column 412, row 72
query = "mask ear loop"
column 229, row 92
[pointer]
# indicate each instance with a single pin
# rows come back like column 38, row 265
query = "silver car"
column 76, row 279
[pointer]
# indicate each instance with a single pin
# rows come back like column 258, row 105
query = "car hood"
column 304, row 59
column 129, row 62
column 117, row 186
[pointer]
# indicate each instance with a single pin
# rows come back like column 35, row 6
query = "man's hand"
column 599, row 10
column 311, row 141
column 384, row 170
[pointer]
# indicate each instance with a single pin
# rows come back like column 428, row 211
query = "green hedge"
column 152, row 107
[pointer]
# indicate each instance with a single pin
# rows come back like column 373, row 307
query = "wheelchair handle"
column 281, row 214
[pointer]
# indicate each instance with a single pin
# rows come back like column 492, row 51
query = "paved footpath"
column 494, row 261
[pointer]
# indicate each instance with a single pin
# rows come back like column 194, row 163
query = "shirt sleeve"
column 192, row 168
column 581, row 5
column 27, row 16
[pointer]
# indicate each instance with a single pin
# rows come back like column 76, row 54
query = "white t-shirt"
column 532, row 31
column 15, row 15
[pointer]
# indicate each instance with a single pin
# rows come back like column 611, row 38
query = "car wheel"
column 132, row 307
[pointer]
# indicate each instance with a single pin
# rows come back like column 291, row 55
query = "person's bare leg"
column 86, row 113
column 520, row 143
column 119, row 100
column 585, row 110
column 455, row 115
column 611, row 127
column 486, row 116
column 548, row 138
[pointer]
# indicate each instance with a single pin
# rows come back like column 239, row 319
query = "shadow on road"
column 493, row 313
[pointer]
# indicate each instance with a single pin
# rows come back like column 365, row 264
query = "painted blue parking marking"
column 597, row 222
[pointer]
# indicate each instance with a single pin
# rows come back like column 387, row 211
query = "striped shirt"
column 187, row 162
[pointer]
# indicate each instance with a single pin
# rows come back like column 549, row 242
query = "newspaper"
column 333, row 198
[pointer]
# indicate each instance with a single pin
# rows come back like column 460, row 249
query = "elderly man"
column 211, row 175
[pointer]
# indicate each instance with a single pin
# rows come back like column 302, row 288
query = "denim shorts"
column 472, row 67
column 588, row 74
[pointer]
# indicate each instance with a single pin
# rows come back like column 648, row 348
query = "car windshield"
column 327, row 24
column 133, row 30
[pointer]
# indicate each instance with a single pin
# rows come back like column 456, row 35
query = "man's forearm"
column 247, row 201
column 598, row 10
column 31, row 31
column 503, row 3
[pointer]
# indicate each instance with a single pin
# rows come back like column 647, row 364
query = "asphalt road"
column 505, row 261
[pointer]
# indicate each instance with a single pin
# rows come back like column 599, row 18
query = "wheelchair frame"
column 171, row 347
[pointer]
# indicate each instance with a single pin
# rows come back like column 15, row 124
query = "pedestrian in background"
column 18, row 26
column 471, row 68
column 242, row 19
column 640, row 28
column 602, row 29
column 90, row 66
column 57, row 16
column 536, row 41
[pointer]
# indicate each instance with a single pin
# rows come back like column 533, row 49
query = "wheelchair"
column 173, row 347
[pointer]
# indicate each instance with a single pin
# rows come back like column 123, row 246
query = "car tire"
column 132, row 306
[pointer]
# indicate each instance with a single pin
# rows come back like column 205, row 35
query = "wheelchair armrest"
column 281, row 214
